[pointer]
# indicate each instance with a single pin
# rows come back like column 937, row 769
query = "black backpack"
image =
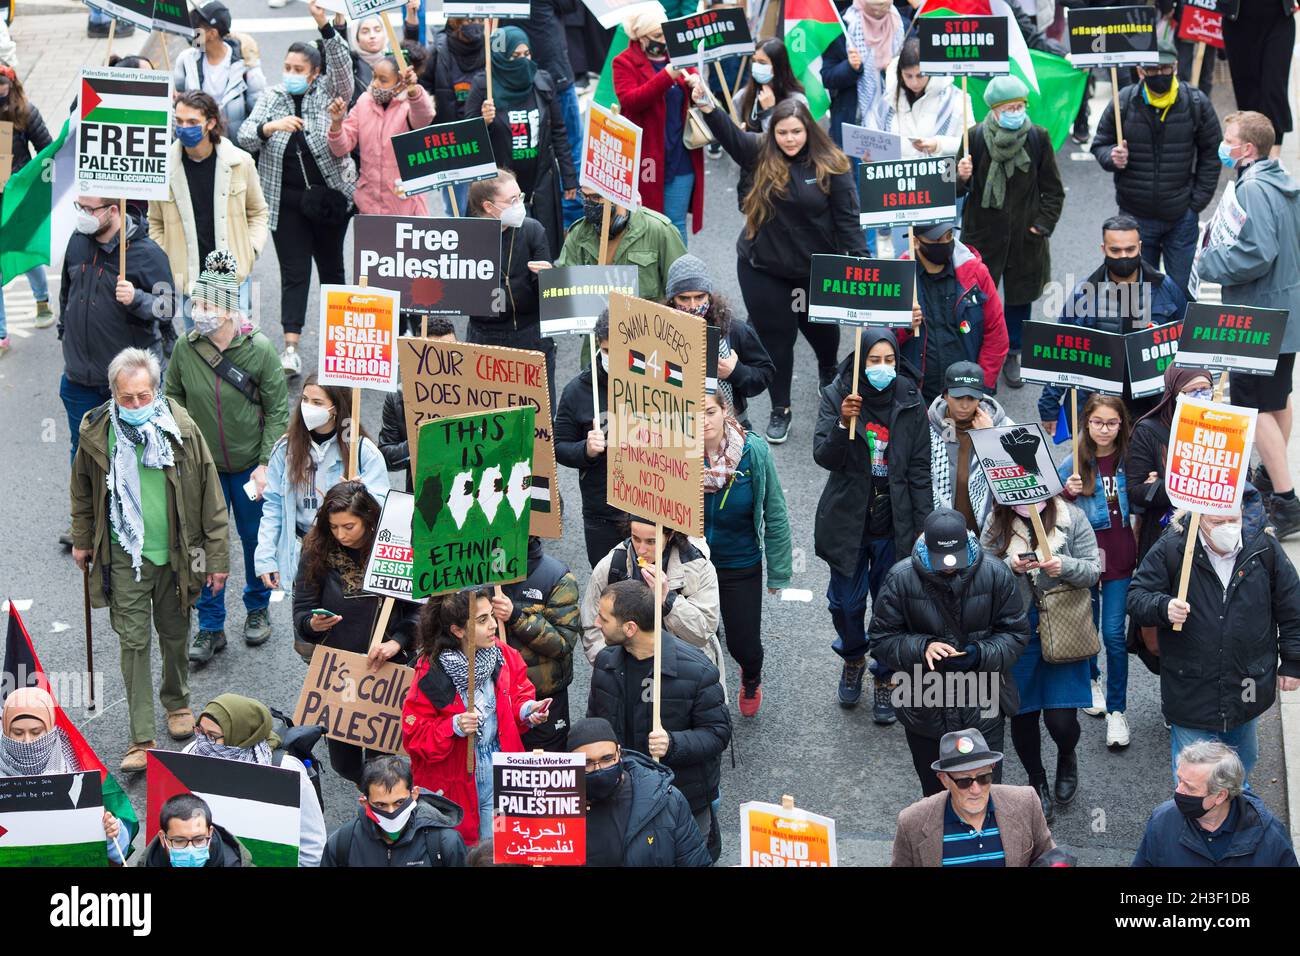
column 298, row 742
column 432, row 840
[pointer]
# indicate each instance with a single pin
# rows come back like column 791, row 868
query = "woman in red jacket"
column 435, row 720
column 653, row 94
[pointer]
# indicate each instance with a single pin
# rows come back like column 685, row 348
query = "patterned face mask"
column 381, row 95
column 29, row 756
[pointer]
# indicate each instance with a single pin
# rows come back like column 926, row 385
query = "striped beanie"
column 218, row 283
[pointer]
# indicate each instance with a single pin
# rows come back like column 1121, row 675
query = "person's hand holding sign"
column 855, row 60
column 964, row 168
column 1074, row 485
column 917, row 319
column 124, row 292
column 700, row 93
column 595, row 443
column 1177, row 611
column 489, row 111
column 502, row 606
column 658, row 743
column 381, row 654
column 850, row 409
column 726, row 365
column 1119, row 156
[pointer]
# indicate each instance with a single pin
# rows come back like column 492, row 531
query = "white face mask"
column 313, row 416
column 207, row 322
column 1226, row 537
column 604, row 361
column 88, row 223
column 513, row 216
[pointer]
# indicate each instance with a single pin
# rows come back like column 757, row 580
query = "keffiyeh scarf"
column 719, row 471
column 456, row 664
column 259, row 753
column 125, row 508
column 49, row 753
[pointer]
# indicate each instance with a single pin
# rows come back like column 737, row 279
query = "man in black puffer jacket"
column 693, row 709
column 953, row 613
column 1167, row 169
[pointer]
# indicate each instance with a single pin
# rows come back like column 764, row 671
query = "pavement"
column 833, row 761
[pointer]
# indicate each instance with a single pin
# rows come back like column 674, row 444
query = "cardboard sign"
column 724, row 31
column 908, row 191
column 52, row 820
column 1239, row 338
column 1054, row 354
column 1209, row 454
column 443, row 154
column 470, row 526
column 516, row 9
column 124, row 134
column 657, row 365
column 574, row 296
column 1148, row 353
column 455, row 378
column 539, row 809
column 354, row 704
column 611, row 157
column 612, row 13
column 139, row 12
column 774, row 836
column 847, row 290
column 388, row 570
column 1017, row 461
column 173, row 16
column 359, row 9
column 438, row 266
column 976, row 46
column 1112, row 36
column 6, row 151
column 871, row 145
column 1196, row 25
column 358, row 337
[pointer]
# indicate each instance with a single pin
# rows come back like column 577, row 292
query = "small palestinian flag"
column 964, row 327
column 540, row 492
column 636, row 362
column 257, row 803
column 673, row 374
column 52, row 821
column 128, row 101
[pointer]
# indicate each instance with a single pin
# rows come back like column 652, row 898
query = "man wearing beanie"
column 1014, row 199
column 635, row 816
column 227, row 375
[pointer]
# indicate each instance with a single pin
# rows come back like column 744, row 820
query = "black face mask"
column 655, row 49
column 1123, row 266
column 1193, row 808
column 1159, row 85
column 471, row 32
column 602, row 784
column 593, row 210
column 937, row 252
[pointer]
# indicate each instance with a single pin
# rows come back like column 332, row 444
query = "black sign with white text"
column 976, row 46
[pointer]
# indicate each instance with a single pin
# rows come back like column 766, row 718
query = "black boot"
column 1067, row 777
column 1039, row 783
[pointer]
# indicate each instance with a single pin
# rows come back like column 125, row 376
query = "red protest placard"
column 1201, row 26
column 539, row 809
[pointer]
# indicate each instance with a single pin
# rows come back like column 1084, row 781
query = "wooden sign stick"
column 1197, row 60
column 1037, row 521
column 726, row 92
column 965, row 118
column 787, row 802
column 1114, row 96
column 424, row 326
column 604, row 231
column 354, row 425
column 90, row 644
column 167, row 57
column 112, row 32
column 381, row 625
column 1194, row 524
column 740, row 76
column 857, row 367
column 392, row 42
column 470, row 654
column 487, row 52
column 121, row 239
column 655, row 722
column 1074, row 430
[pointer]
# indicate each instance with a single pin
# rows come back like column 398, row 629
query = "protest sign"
column 971, row 46
column 656, row 403
column 472, row 501
column 572, row 297
column 724, row 31
column 137, row 12
column 539, row 809
column 173, row 16
column 1070, row 355
column 6, row 151
column 1238, row 338
column 258, row 803
column 443, row 154
column 1148, row 353
column 1228, row 9
column 846, row 290
column 1017, row 461
column 333, row 6
column 124, row 133
column 388, row 570
column 1198, row 25
column 612, row 13
column 517, row 9
column 454, row 378
column 772, row 836
column 1224, row 230
column 354, row 704
column 358, row 337
column 438, row 266
column 1112, row 36
column 1209, row 454
column 611, row 157
column 360, row 9
column 907, row 191
column 52, row 820
column 871, row 145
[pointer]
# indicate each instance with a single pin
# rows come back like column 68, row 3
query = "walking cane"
column 90, row 646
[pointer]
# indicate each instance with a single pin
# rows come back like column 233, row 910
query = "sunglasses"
column 963, row 783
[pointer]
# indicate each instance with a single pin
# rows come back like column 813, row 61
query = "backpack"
column 298, row 742
column 345, row 843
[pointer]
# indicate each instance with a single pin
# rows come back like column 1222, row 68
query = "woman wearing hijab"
column 368, row 45
column 526, row 124
column 876, row 498
column 34, row 745
column 1015, row 200
column 771, row 80
column 232, row 727
column 853, row 67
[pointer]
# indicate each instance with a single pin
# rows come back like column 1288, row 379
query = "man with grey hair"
column 1212, row 819
column 155, row 539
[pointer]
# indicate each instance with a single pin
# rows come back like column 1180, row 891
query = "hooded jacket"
column 371, row 128
column 430, row 839
column 984, row 599
column 661, row 830
column 943, row 458
column 1262, row 268
column 545, row 624
column 245, row 81
column 225, row 850
column 650, row 242
column 1260, row 839
column 842, row 509
column 520, row 305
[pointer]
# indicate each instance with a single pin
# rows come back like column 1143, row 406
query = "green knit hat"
column 218, row 283
column 1005, row 89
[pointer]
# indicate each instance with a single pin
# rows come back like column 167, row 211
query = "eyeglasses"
column 1104, row 426
column 180, row 843
column 601, row 763
column 983, row 779
column 217, row 738
column 1166, row 70
column 91, row 209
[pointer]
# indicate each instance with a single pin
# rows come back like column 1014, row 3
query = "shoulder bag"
column 322, row 205
column 1065, row 625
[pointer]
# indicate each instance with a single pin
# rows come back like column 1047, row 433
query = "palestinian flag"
column 1055, row 87
column 257, row 803
column 26, row 205
column 635, row 361
column 123, row 101
column 810, row 27
column 539, row 492
column 23, row 669
column 673, row 374
column 52, row 821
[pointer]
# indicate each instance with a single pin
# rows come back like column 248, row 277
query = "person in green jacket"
column 642, row 238
column 228, row 377
column 745, row 517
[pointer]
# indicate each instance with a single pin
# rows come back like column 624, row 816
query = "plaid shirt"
column 336, row 81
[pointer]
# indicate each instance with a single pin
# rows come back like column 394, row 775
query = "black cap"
column 590, row 730
column 945, row 540
column 964, row 380
column 214, row 14
column 935, row 232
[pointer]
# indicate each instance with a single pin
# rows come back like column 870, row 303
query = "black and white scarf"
column 49, row 753
column 456, row 664
column 259, row 753
column 125, row 508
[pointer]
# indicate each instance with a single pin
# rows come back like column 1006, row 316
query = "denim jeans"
column 847, row 598
column 77, row 401
column 1175, row 241
column 248, row 515
column 572, row 128
column 677, row 200
column 1241, row 739
column 39, row 281
column 1108, row 599
column 462, row 199
column 1017, row 316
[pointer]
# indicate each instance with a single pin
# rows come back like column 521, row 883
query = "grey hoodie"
column 1262, row 268
column 943, row 458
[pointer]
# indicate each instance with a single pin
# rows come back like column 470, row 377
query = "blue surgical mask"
column 190, row 136
column 188, row 856
column 295, row 83
column 761, row 72
column 135, row 416
column 881, row 376
column 1012, row 120
column 1225, row 155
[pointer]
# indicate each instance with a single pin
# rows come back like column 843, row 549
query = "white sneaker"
column 1116, row 730
column 291, row 361
column 1098, row 708
column 277, row 4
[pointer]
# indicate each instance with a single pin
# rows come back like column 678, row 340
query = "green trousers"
column 129, row 612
